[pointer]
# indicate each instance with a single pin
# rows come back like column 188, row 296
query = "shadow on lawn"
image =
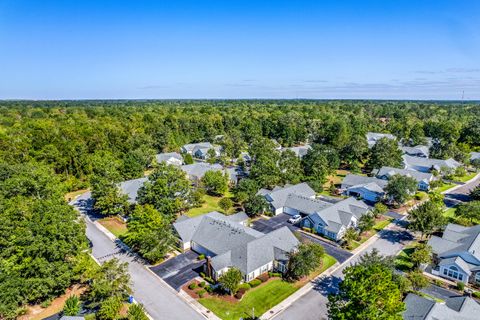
column 327, row 285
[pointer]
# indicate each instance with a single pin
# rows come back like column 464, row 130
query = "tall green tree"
column 401, row 188
column 108, row 198
column 215, row 183
column 230, row 280
column 469, row 210
column 290, row 166
column 149, row 233
column 427, row 218
column 304, row 260
column 385, row 153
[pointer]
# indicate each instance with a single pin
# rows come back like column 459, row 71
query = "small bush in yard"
column 210, row 280
column 202, row 274
column 240, row 293
column 202, row 284
column 201, row 293
column 476, row 294
column 263, row 277
column 245, row 286
column 460, row 286
column 255, row 282
column 192, row 286
column 201, row 257
column 275, row 274
column 209, row 289
column 307, row 229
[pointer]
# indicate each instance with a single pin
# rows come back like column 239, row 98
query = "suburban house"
column 456, row 255
column 299, row 151
column 373, row 137
column 200, row 150
column 423, row 179
column 417, row 151
column 196, row 171
column 453, row 308
column 368, row 188
column 332, row 221
column 172, row 158
column 227, row 242
column 130, row 188
column 427, row 165
column 474, row 156
column 283, row 199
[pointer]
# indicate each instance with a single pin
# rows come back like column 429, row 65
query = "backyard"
column 115, row 225
column 261, row 298
column 210, row 204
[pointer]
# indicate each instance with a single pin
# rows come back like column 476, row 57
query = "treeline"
column 71, row 136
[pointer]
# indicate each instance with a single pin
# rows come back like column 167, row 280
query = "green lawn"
column 382, row 224
column 376, row 228
column 449, row 213
column 402, row 260
column 466, row 177
column 115, row 225
column 261, row 299
column 445, row 187
column 211, row 204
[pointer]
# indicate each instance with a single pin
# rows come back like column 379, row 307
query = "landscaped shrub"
column 274, row 274
column 307, row 229
column 210, row 280
column 201, row 293
column 192, row 286
column 245, row 286
column 209, row 289
column 460, row 286
column 201, row 257
column 255, row 282
column 202, row 274
column 263, row 277
column 240, row 293
column 476, row 294
column 202, row 284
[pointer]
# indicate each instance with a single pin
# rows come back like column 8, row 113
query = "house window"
column 477, row 277
column 453, row 273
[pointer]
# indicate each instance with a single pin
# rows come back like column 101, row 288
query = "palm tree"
column 350, row 235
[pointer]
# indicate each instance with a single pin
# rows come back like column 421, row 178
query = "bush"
column 209, row 289
column 202, row 284
column 192, row 286
column 201, row 293
column 307, row 229
column 46, row 303
column 240, row 293
column 275, row 274
column 244, row 286
column 263, row 277
column 201, row 257
column 460, row 286
column 476, row 294
column 210, row 280
column 255, row 282
column 202, row 274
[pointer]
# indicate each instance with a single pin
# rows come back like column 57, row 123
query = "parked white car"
column 295, row 219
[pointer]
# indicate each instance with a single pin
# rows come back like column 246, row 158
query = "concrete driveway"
column 461, row 194
column 281, row 220
column 179, row 270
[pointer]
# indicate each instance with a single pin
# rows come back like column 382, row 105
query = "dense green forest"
column 48, row 148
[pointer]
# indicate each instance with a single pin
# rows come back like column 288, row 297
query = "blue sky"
column 239, row 49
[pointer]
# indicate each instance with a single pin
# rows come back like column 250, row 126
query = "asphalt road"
column 280, row 220
column 313, row 305
column 461, row 194
column 160, row 301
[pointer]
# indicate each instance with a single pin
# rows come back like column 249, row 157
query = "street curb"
column 208, row 314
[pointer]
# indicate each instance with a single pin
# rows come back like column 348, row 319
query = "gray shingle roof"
column 474, row 155
column 457, row 240
column 161, row 157
column 278, row 196
column 198, row 170
column 417, row 175
column 130, row 188
column 340, row 213
column 192, row 147
column 354, row 180
column 417, row 150
column 305, row 204
column 373, row 137
column 428, row 163
column 299, row 151
column 454, row 308
column 233, row 244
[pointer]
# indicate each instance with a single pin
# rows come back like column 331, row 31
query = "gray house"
column 456, row 254
column 332, row 221
column 423, row 179
column 196, row 171
column 172, row 158
column 282, row 200
column 373, row 137
column 200, row 149
column 417, row 151
column 454, row 308
column 474, row 156
column 368, row 188
column 427, row 165
column 300, row 151
column 228, row 242
column 130, row 188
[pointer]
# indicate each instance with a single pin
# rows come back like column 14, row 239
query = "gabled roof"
column 340, row 214
column 280, row 195
column 373, row 137
column 352, row 180
column 458, row 240
column 234, row 244
column 199, row 169
column 474, row 155
column 130, row 188
column 191, row 146
column 417, row 175
column 305, row 204
column 300, row 151
column 417, row 150
column 429, row 163
column 167, row 156
column 454, row 308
